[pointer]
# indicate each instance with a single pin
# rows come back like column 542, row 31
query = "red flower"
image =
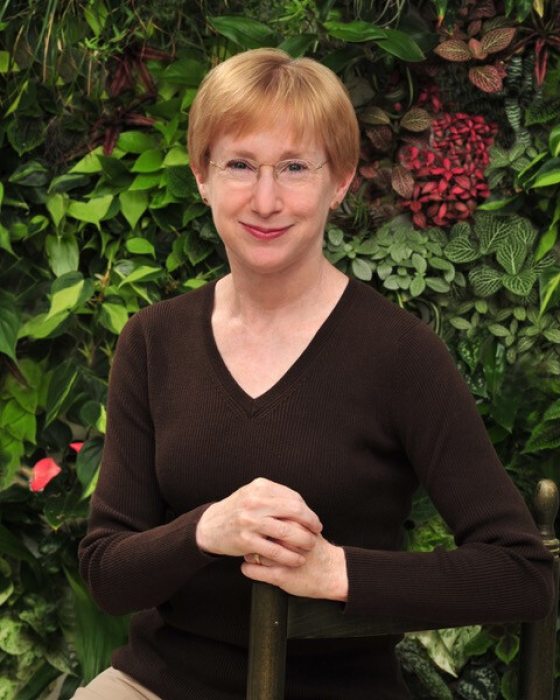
column 76, row 446
column 43, row 472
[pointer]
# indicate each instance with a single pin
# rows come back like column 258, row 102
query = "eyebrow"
column 249, row 155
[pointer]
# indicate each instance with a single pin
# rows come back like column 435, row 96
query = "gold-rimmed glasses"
column 293, row 172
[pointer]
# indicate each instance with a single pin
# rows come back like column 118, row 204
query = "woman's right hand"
column 263, row 518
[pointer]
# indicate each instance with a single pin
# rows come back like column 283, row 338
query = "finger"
column 281, row 496
column 258, row 560
column 266, row 574
column 294, row 510
column 288, row 533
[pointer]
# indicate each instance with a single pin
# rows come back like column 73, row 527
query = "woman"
column 273, row 426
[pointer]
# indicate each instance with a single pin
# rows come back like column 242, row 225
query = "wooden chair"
column 276, row 616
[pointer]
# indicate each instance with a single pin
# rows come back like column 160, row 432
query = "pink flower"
column 43, row 471
column 76, row 446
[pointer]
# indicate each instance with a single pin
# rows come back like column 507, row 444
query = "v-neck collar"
column 254, row 406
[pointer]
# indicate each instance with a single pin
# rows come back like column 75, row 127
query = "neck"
column 253, row 296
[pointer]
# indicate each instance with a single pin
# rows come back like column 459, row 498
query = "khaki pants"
column 114, row 685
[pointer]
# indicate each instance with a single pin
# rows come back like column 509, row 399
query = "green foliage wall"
column 453, row 214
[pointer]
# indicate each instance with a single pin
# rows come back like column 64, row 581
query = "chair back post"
column 267, row 643
column 538, row 639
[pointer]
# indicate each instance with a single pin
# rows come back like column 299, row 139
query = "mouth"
column 263, row 233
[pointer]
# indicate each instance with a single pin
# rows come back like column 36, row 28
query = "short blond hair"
column 256, row 87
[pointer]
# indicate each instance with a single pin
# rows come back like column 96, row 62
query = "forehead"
column 279, row 140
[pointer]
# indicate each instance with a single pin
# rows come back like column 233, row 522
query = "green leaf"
column 417, row 286
column 90, row 212
column 437, row 285
column 485, row 280
column 12, row 546
column 176, row 156
column 113, row 316
column 356, row 31
column 506, row 649
column 56, row 204
column 461, row 250
column 401, row 45
column 420, row 263
column 133, row 205
column 548, row 174
column 552, row 334
column 554, row 141
column 42, row 325
column 18, row 422
column 148, row 162
column 520, row 284
column 361, row 270
column 145, row 181
column 185, row 71
column 546, row 436
column 298, row 45
column 63, row 254
column 143, row 273
column 9, row 327
column 14, row 639
column 460, row 324
column 25, row 133
column 88, row 461
column 140, row 246
column 66, row 292
column 60, row 390
column 136, row 142
column 511, row 255
column 243, row 31
column 492, row 231
column 89, row 164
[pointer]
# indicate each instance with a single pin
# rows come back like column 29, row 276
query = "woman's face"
column 269, row 225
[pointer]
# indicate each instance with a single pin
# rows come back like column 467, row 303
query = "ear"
column 342, row 188
column 201, row 184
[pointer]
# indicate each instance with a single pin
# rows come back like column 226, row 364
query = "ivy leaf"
column 453, row 50
column 136, row 142
column 486, row 78
column 66, row 292
column 416, row 120
column 113, row 316
column 133, row 205
column 59, row 394
column 485, row 280
column 148, row 161
column 90, row 212
column 9, row 327
column 497, row 39
column 63, row 254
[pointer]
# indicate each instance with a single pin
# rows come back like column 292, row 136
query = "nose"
column 266, row 199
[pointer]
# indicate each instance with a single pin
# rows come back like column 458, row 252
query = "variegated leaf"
column 453, row 50
column 402, row 181
column 498, row 39
column 486, row 78
column 416, row 119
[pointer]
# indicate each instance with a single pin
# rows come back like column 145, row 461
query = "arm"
column 131, row 558
column 500, row 570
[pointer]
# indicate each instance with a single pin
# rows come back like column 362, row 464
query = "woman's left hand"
column 322, row 576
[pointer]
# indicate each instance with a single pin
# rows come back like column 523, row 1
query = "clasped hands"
column 272, row 521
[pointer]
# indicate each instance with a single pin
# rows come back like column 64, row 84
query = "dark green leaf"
column 401, row 45
column 243, row 31
column 356, row 31
column 60, row 390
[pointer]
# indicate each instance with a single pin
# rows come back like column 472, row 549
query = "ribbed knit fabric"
column 373, row 407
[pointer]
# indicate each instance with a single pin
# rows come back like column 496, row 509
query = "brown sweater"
column 373, row 407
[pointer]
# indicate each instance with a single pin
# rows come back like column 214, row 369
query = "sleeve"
column 132, row 558
column 500, row 571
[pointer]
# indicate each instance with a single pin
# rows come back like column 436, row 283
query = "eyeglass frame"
column 313, row 168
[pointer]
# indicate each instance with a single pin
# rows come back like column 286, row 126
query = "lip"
column 265, row 234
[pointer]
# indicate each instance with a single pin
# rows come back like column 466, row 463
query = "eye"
column 294, row 167
column 239, row 165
